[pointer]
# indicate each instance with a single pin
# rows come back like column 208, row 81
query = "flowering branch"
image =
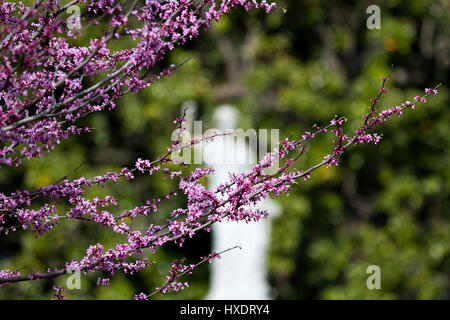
column 178, row 270
column 52, row 91
column 240, row 196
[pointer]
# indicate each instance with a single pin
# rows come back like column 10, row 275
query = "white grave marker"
column 240, row 274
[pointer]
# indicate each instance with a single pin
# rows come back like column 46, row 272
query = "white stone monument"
column 239, row 274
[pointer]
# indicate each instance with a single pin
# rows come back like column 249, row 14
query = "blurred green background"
column 386, row 205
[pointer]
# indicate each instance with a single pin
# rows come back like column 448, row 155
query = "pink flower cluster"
column 56, row 85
